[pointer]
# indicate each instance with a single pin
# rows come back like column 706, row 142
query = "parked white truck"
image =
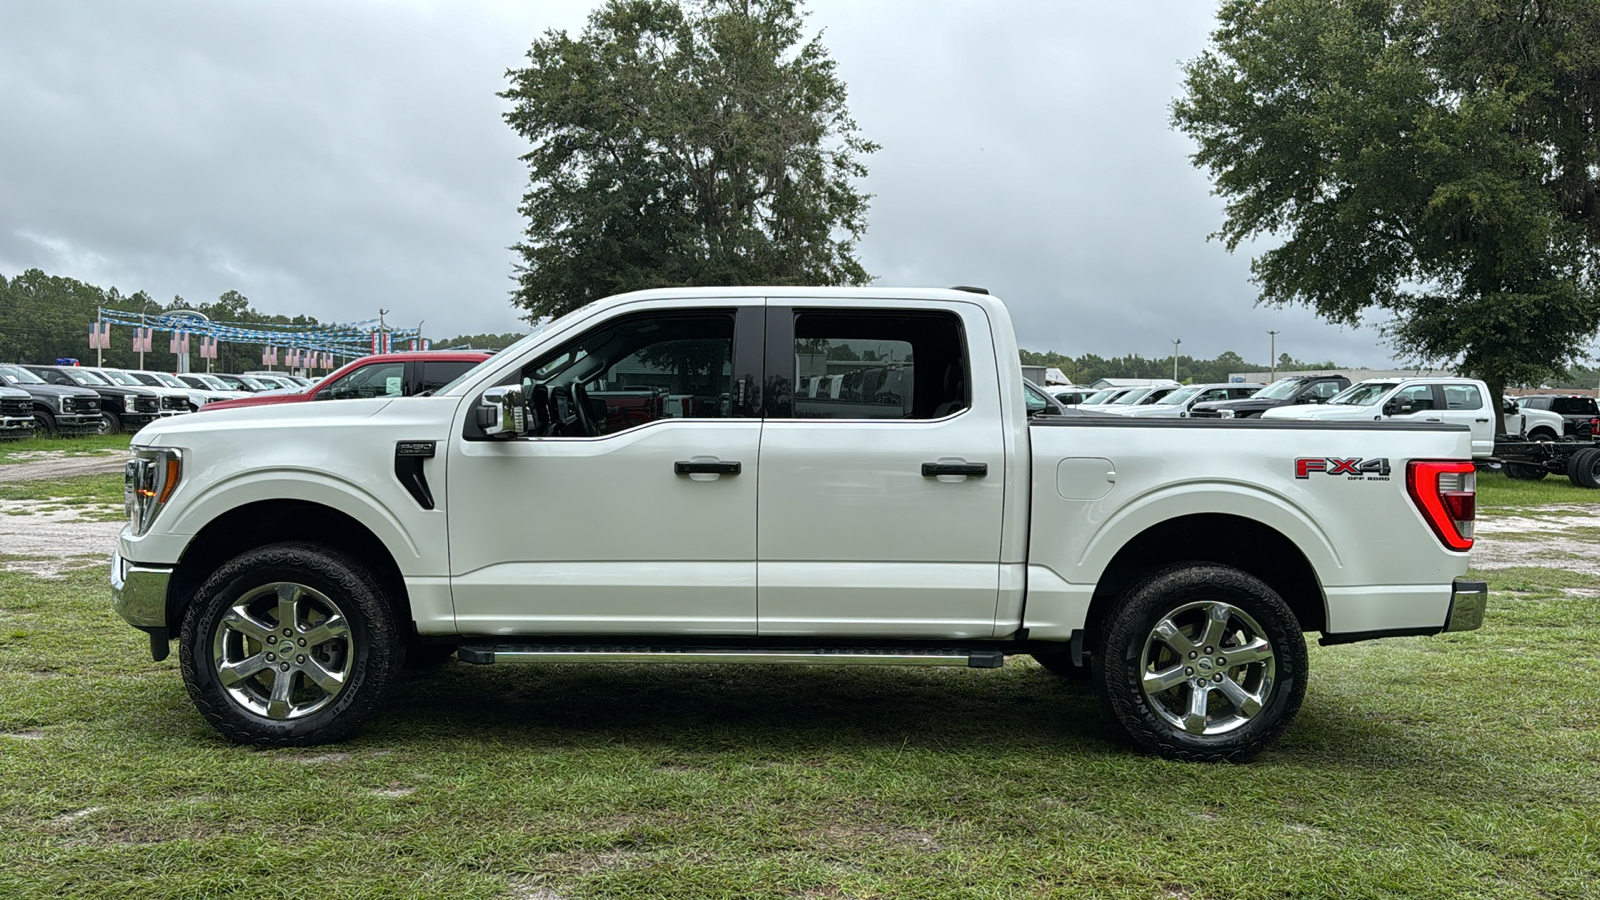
column 640, row 481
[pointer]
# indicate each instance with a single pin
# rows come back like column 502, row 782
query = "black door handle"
column 934, row 470
column 1480, row 420
column 711, row 467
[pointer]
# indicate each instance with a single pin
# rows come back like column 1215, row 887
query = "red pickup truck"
column 382, row 375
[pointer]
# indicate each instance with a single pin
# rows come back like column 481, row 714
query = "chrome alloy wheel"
column 283, row 650
column 1207, row 668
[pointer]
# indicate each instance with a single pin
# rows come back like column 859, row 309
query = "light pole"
column 1175, row 343
column 1274, row 355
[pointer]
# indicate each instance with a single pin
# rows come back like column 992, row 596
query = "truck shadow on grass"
column 800, row 710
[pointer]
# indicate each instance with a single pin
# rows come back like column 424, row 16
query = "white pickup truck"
column 640, row 481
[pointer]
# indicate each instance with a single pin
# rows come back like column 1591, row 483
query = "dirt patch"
column 42, row 538
column 1508, row 538
column 40, row 465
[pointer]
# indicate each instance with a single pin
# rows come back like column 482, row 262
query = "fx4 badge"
column 1357, row 469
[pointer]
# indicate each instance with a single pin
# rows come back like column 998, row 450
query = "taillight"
column 1446, row 492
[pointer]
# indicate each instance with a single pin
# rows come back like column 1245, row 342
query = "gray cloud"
column 332, row 158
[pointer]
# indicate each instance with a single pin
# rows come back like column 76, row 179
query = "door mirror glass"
column 501, row 412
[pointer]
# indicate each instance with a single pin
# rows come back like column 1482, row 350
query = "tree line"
column 1087, row 368
column 46, row 317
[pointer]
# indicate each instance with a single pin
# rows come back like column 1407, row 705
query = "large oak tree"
column 1435, row 160
column 684, row 143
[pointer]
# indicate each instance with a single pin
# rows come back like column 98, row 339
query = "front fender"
column 166, row 543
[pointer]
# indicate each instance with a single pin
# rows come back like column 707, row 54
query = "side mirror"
column 324, row 394
column 501, row 412
column 1396, row 408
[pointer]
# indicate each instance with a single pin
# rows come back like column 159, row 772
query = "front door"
column 633, row 509
column 881, row 496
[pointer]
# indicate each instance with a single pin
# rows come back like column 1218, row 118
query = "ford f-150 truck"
column 534, row 511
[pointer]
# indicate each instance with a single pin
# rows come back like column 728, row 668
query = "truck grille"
column 168, row 401
column 87, row 404
column 16, row 408
column 147, row 404
column 1205, row 414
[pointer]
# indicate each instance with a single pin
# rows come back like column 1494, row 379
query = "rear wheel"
column 1583, row 468
column 289, row 645
column 1202, row 662
column 1524, row 471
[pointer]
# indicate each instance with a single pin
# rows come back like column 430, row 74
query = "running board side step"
column 489, row 654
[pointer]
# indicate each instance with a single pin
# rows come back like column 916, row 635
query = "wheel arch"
column 1249, row 545
column 263, row 522
column 1543, row 431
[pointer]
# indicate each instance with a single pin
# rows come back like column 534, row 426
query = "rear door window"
column 1462, row 396
column 871, row 365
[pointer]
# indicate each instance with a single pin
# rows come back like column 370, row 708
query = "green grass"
column 1496, row 490
column 1460, row 765
column 83, row 445
column 101, row 495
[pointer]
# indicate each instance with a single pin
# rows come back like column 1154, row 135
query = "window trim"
column 778, row 390
column 749, row 323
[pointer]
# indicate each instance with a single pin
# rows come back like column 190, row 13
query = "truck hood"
column 276, row 417
column 1322, row 412
column 1249, row 403
column 58, row 390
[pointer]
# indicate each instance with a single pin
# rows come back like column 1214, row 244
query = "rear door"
column 880, row 509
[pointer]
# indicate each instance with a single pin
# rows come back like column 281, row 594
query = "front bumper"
column 78, row 423
column 1468, row 601
column 12, row 427
column 139, row 592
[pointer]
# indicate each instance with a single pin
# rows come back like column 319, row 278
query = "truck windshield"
column 1098, row 396
column 86, row 379
column 117, row 376
column 20, row 376
column 1133, row 397
column 1364, row 394
column 1282, row 389
column 1178, row 396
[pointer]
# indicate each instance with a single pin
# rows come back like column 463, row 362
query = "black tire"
column 1524, row 471
column 1059, row 662
column 363, row 644
column 1542, row 435
column 1142, row 635
column 1583, row 468
column 47, row 423
column 110, row 423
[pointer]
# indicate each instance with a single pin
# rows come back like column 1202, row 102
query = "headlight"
column 147, row 481
column 64, row 403
column 1226, row 414
column 127, row 402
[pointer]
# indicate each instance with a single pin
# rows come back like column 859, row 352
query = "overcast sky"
column 331, row 158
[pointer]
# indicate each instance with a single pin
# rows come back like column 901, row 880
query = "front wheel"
column 289, row 645
column 1203, row 663
column 109, row 423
